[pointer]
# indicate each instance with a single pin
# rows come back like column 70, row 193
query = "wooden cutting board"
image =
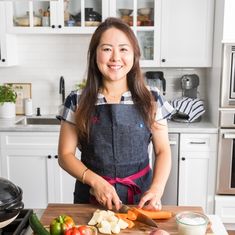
column 82, row 213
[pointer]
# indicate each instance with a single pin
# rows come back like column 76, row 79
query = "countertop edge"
column 9, row 125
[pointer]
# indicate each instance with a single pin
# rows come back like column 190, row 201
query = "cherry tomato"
column 85, row 230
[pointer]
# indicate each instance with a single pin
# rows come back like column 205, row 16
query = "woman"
column 112, row 121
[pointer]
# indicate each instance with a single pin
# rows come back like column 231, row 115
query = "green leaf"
column 7, row 94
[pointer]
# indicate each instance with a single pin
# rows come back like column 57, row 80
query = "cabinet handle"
column 163, row 60
column 193, row 142
column 53, row 26
column 49, row 156
column 172, row 142
column 183, row 158
column 56, row 156
column 3, row 60
column 59, row 26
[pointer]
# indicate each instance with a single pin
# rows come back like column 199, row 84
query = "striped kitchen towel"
column 194, row 108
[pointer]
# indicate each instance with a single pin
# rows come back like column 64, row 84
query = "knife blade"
column 140, row 216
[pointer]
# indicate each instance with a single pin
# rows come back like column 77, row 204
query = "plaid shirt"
column 67, row 111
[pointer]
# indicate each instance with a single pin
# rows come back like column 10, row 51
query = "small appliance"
column 189, row 84
column 189, row 107
column 156, row 79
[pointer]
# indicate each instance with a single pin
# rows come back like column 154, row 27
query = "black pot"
column 10, row 201
column 90, row 15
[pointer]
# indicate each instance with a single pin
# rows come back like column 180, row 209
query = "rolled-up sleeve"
column 67, row 111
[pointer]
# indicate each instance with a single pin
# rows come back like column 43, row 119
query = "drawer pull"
column 194, row 142
column 183, row 158
column 49, row 156
column 56, row 156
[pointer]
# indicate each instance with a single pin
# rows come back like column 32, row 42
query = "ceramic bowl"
column 125, row 12
column 144, row 11
column 190, row 223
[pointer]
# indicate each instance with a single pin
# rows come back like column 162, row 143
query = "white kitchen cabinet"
column 197, row 170
column 29, row 159
column 186, row 33
column 174, row 33
column 8, row 49
column 229, row 19
column 60, row 16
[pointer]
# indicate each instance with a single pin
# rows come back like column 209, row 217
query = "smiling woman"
column 112, row 120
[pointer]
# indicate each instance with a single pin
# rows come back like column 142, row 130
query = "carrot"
column 121, row 215
column 131, row 215
column 153, row 214
column 131, row 224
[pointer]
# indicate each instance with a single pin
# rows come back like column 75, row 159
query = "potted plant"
column 7, row 101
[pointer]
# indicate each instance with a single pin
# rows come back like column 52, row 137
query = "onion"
column 159, row 232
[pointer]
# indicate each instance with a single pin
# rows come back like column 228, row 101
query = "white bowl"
column 144, row 11
column 125, row 11
column 191, row 223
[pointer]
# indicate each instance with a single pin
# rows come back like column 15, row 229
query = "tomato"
column 72, row 231
column 85, row 230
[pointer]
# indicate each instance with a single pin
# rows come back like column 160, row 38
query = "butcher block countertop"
column 82, row 213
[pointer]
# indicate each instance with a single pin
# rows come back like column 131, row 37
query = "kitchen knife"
column 140, row 216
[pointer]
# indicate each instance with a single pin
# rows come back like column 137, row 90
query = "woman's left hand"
column 150, row 200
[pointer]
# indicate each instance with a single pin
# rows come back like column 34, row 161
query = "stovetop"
column 19, row 225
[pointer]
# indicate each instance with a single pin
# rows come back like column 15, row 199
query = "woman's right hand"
column 106, row 195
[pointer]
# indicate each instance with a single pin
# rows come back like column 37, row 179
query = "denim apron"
column 118, row 151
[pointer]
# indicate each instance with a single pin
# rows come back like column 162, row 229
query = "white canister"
column 28, row 107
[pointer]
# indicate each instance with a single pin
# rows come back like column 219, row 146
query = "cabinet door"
column 61, row 16
column 193, row 178
column 144, row 18
column 186, row 33
column 65, row 184
column 82, row 16
column 8, row 50
column 31, row 16
column 30, row 170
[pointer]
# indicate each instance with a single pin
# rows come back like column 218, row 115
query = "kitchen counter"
column 174, row 127
column 196, row 127
column 12, row 126
column 54, row 209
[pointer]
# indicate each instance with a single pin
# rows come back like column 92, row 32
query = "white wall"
column 44, row 58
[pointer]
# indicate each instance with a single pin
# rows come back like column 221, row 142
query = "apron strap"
column 133, row 188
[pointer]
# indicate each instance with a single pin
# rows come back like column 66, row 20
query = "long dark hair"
column 135, row 81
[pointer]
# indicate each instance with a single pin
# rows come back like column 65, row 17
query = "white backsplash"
column 43, row 59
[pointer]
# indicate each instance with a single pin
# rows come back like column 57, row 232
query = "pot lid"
column 9, row 192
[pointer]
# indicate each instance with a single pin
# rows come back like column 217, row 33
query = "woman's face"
column 114, row 55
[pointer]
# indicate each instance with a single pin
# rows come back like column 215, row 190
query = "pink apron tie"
column 133, row 188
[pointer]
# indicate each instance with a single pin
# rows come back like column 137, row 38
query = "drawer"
column 29, row 139
column 225, row 207
column 198, row 142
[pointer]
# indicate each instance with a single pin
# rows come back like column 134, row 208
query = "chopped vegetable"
column 131, row 215
column 107, row 222
column 153, row 214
